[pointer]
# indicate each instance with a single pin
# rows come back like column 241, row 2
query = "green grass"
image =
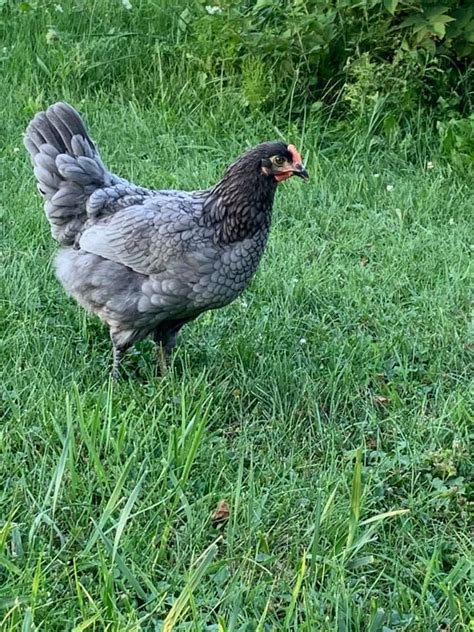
column 331, row 405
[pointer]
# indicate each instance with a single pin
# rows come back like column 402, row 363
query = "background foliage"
column 377, row 63
column 284, row 56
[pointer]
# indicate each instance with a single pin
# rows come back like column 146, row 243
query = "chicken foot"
column 165, row 343
column 166, row 337
column 121, row 341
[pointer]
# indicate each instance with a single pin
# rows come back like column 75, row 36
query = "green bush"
column 315, row 50
column 457, row 141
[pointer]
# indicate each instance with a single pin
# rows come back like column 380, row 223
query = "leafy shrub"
column 457, row 141
column 311, row 49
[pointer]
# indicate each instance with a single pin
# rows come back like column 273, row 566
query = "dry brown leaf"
column 222, row 512
column 381, row 400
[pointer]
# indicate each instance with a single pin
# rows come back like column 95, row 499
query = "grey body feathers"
column 144, row 261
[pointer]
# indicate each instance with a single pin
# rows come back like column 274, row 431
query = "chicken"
column 146, row 262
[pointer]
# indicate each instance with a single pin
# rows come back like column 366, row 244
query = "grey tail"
column 67, row 166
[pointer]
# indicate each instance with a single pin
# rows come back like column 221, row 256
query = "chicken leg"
column 118, row 353
column 166, row 337
column 121, row 341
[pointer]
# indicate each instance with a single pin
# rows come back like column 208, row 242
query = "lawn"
column 331, row 406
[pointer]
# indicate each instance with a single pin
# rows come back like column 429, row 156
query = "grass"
column 331, row 406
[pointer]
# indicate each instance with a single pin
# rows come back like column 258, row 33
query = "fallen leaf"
column 381, row 400
column 222, row 512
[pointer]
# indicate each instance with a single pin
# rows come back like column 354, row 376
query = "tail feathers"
column 57, row 126
column 67, row 167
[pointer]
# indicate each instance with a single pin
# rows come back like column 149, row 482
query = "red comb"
column 294, row 154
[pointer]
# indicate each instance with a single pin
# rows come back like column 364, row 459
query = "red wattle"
column 283, row 176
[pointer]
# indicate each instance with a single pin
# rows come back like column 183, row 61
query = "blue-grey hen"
column 146, row 262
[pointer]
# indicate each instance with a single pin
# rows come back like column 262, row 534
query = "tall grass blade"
column 356, row 495
column 125, row 514
column 181, row 605
column 123, row 568
column 296, row 591
column 86, row 624
column 111, row 504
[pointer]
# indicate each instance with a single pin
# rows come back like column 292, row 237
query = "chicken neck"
column 240, row 205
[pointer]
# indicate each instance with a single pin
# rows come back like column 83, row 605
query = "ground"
column 330, row 406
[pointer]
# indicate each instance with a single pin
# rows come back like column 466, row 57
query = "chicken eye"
column 279, row 161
